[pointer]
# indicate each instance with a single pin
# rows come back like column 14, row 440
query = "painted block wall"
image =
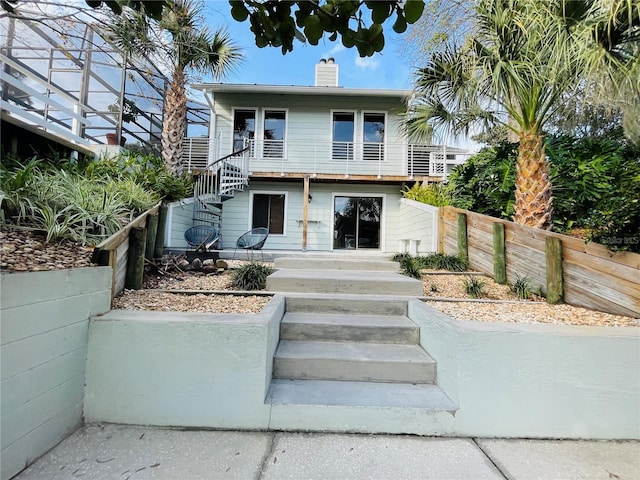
column 419, row 221
column 188, row 369
column 44, row 320
column 534, row 380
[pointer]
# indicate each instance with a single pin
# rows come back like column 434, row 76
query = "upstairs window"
column 244, row 128
column 343, row 128
column 373, row 136
column 268, row 211
column 275, row 123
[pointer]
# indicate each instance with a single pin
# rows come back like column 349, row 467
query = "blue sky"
column 268, row 65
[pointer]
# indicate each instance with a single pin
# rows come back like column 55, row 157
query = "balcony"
column 331, row 159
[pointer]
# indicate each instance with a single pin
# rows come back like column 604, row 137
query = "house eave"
column 299, row 90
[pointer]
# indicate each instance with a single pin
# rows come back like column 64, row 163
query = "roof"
column 299, row 90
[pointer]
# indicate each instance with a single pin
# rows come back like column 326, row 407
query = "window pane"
column 268, row 211
column 244, row 127
column 343, row 127
column 276, row 214
column 260, row 211
column 374, row 127
column 274, row 124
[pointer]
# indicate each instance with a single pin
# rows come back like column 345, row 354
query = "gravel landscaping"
column 22, row 251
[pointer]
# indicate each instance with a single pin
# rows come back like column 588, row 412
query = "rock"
column 184, row 263
column 208, row 262
column 209, row 269
column 196, row 264
column 222, row 264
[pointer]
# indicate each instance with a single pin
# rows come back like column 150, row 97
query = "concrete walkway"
column 104, row 452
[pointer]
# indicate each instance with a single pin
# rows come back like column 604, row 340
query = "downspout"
column 209, row 97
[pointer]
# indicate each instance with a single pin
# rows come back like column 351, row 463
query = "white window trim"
column 286, row 130
column 386, row 129
column 355, row 132
column 383, row 217
column 286, row 209
column 256, row 110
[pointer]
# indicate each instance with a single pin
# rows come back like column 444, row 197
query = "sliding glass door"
column 356, row 222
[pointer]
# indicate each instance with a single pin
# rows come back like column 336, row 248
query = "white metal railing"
column 39, row 107
column 195, row 153
column 318, row 157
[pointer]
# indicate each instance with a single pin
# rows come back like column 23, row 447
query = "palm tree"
column 190, row 47
column 513, row 70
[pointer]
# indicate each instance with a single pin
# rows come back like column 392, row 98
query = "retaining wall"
column 186, row 369
column 535, row 380
column 211, row 370
column 44, row 319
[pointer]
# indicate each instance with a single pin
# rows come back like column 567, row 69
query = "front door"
column 356, row 222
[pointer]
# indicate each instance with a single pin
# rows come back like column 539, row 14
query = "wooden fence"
column 143, row 234
column 589, row 274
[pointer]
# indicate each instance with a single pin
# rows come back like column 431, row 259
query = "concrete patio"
column 104, row 452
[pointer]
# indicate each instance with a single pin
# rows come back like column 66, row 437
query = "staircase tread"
column 352, row 351
column 358, row 394
column 356, row 320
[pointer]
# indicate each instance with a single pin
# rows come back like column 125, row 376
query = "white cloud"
column 333, row 52
column 367, row 63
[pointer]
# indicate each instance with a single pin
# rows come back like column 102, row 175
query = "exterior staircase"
column 346, row 350
column 217, row 183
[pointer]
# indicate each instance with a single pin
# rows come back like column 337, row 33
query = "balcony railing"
column 343, row 158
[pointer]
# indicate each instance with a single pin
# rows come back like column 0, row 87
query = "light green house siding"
column 237, row 214
column 309, row 131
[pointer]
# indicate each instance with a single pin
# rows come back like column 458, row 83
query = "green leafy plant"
column 130, row 110
column 411, row 267
column 146, row 170
column 14, row 184
column 441, row 261
column 473, row 286
column 521, row 287
column 252, row 276
column 434, row 288
column 56, row 224
column 399, row 257
column 485, row 183
column 436, row 194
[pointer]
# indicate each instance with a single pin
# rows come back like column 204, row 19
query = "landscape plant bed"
column 25, row 251
column 499, row 304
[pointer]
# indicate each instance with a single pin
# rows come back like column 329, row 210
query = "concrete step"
column 364, row 362
column 346, row 304
column 343, row 281
column 336, row 263
column 333, row 393
column 349, row 328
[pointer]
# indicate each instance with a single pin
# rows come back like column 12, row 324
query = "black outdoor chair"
column 202, row 237
column 252, row 240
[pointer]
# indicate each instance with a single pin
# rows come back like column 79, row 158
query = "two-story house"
column 322, row 167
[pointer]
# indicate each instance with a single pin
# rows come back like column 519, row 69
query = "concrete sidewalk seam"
column 499, row 468
column 271, row 446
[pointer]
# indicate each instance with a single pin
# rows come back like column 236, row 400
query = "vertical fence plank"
column 499, row 254
column 463, row 242
column 152, row 231
column 135, row 261
column 162, row 224
column 441, row 233
column 553, row 255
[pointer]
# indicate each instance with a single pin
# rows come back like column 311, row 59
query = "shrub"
column 473, row 286
column 252, row 276
column 411, row 267
column 441, row 261
column 436, row 194
column 521, row 287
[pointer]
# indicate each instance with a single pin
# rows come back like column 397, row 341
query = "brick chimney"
column 327, row 73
